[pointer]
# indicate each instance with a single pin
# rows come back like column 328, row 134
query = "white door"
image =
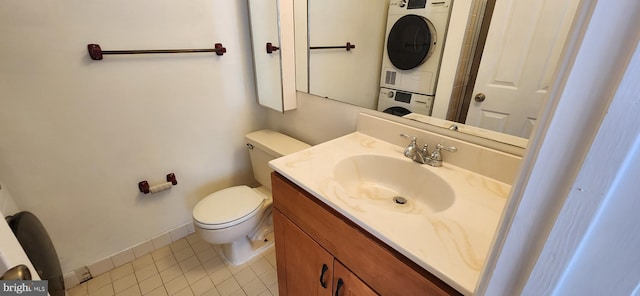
column 523, row 46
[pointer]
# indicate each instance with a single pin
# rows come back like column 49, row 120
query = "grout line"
column 105, row 265
column 261, row 262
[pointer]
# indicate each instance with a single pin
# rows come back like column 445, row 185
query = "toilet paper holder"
column 146, row 188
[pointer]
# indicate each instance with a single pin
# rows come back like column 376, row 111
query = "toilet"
column 239, row 218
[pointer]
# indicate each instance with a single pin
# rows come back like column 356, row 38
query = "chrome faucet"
column 413, row 152
column 422, row 155
column 435, row 159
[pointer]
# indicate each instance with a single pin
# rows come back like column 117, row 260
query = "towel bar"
column 96, row 53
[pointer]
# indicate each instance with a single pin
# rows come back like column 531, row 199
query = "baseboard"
column 85, row 273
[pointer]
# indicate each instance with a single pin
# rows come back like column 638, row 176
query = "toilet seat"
column 227, row 207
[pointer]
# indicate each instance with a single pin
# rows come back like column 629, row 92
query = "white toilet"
column 239, row 218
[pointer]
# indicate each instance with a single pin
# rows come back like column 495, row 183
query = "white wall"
column 78, row 135
column 316, row 120
column 8, row 205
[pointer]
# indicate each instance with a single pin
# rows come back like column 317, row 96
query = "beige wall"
column 316, row 120
column 78, row 135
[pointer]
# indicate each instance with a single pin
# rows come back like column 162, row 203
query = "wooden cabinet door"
column 304, row 267
column 345, row 283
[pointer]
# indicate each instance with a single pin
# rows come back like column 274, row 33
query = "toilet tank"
column 266, row 145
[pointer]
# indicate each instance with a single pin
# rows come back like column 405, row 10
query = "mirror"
column 506, row 58
column 270, row 22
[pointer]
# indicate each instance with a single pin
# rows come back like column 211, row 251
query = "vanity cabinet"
column 310, row 235
column 314, row 270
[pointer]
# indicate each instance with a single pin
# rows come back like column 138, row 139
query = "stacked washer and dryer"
column 416, row 31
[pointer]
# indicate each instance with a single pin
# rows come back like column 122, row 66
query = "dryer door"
column 411, row 41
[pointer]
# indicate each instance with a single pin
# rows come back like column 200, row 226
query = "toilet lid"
column 227, row 205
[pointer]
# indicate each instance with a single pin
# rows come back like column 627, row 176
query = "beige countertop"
column 452, row 243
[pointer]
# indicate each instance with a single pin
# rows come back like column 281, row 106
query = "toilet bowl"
column 229, row 216
column 239, row 218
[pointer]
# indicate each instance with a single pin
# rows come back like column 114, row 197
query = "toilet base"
column 243, row 250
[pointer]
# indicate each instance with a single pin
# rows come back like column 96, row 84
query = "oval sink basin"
column 393, row 184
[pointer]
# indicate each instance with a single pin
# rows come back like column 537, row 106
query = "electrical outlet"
column 83, row 274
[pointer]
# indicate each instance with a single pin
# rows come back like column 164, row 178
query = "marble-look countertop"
column 451, row 244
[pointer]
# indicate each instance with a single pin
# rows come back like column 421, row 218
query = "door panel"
column 303, row 260
column 523, row 46
column 347, row 283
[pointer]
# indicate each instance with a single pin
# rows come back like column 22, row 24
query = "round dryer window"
column 411, row 41
column 397, row 111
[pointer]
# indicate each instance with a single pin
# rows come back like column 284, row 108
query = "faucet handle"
column 445, row 148
column 411, row 149
column 437, row 156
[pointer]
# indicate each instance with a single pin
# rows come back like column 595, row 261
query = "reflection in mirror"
column 504, row 50
column 523, row 46
column 337, row 73
column 301, row 45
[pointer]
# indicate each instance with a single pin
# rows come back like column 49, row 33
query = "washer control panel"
column 412, row 102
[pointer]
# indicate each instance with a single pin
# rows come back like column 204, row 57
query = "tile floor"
column 186, row 267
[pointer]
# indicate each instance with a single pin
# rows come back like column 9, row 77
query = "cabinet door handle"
column 322, row 282
column 271, row 48
column 338, row 286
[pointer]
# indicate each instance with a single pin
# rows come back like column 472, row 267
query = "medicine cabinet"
column 271, row 25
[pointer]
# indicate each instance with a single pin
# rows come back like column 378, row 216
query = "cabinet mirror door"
column 272, row 57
